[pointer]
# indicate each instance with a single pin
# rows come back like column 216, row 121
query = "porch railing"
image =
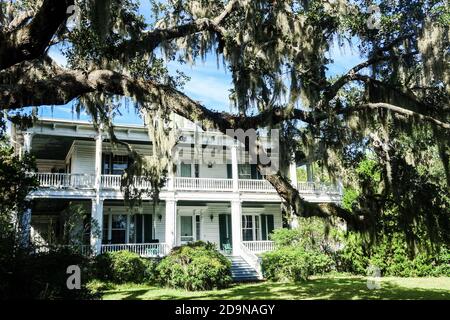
column 65, row 180
column 252, row 259
column 259, row 246
column 252, row 185
column 142, row 249
column 314, row 187
column 109, row 181
column 212, row 184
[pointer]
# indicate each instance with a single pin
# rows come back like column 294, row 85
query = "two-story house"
column 225, row 202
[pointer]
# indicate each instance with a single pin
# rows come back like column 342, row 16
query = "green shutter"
column 148, row 228
column 229, row 171
column 138, row 228
column 270, row 224
column 222, row 229
column 263, row 227
column 253, row 171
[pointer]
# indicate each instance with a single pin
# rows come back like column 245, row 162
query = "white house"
column 224, row 202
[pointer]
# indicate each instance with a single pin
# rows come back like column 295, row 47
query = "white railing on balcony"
column 259, row 246
column 314, row 187
column 252, row 185
column 211, row 184
column 142, row 249
column 252, row 259
column 110, row 181
column 65, row 180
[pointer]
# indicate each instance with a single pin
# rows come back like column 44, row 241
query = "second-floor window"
column 115, row 164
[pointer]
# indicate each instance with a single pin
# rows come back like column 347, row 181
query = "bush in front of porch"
column 124, row 266
column 195, row 266
column 300, row 252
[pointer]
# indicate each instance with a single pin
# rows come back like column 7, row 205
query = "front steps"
column 241, row 271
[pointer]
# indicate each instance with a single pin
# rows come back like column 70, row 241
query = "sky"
column 209, row 81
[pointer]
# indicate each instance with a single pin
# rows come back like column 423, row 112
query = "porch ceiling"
column 51, row 147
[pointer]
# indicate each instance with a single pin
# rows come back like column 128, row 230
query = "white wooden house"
column 226, row 203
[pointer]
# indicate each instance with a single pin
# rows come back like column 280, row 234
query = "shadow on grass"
column 321, row 288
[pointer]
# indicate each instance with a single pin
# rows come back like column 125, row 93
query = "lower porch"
column 152, row 231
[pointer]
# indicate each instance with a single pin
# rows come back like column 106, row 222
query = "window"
column 105, row 230
column 185, row 170
column 118, row 228
column 244, row 171
column 186, row 228
column 119, row 164
column 257, row 228
column 144, row 228
column 114, row 164
column 247, row 228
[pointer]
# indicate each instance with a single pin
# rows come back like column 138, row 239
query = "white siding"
column 44, row 165
column 83, row 159
column 217, row 171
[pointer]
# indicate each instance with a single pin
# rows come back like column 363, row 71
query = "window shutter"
column 264, row 227
column 229, row 171
column 148, row 226
column 270, row 224
column 138, row 228
column 222, row 229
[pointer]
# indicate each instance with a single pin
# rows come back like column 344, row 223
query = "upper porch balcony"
column 113, row 182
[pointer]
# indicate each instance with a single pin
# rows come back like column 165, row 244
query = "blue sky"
column 210, row 82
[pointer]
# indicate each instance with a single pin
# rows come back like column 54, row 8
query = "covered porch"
column 152, row 231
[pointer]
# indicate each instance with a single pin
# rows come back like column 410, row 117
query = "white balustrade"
column 259, row 246
column 65, row 180
column 110, row 181
column 142, row 249
column 211, row 184
column 252, row 259
column 252, row 185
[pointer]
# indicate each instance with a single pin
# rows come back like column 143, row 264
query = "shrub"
column 195, row 266
column 294, row 264
column 124, row 266
column 42, row 276
column 390, row 254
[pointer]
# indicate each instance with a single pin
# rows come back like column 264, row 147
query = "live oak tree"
column 278, row 54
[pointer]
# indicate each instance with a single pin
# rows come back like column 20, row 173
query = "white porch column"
column 97, row 203
column 234, row 167
column 98, row 160
column 293, row 173
column 171, row 219
column 97, row 233
column 236, row 228
column 170, row 178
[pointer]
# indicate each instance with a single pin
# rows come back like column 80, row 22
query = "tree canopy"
column 278, row 54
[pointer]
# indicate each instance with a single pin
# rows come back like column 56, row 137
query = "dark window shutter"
column 270, row 224
column 138, row 228
column 263, row 227
column 229, row 171
column 148, row 228
column 253, row 171
column 222, row 229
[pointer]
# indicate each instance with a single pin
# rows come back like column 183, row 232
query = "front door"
column 225, row 230
column 186, row 229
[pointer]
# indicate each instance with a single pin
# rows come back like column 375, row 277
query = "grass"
column 325, row 287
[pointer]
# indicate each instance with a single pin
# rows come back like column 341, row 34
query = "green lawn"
column 326, row 287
